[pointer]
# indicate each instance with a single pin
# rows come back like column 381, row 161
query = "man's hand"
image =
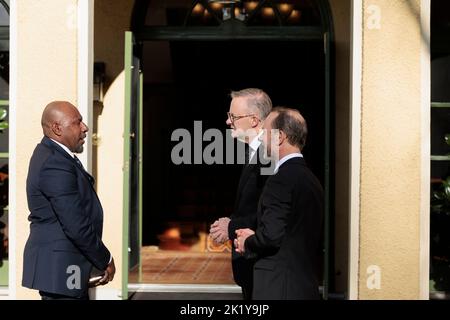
column 109, row 273
column 219, row 230
column 242, row 235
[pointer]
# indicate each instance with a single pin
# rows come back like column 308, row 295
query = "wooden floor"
column 185, row 296
column 184, row 267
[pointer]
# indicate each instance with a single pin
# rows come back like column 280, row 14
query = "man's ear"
column 281, row 137
column 56, row 128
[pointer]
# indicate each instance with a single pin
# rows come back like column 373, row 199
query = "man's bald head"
column 55, row 112
column 61, row 121
column 292, row 123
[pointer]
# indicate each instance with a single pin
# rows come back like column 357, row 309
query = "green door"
column 132, row 171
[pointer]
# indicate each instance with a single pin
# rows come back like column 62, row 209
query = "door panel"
column 132, row 172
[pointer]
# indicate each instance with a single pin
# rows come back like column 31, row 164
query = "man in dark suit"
column 65, row 213
column 248, row 109
column 287, row 239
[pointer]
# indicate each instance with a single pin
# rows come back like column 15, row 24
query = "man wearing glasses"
column 248, row 110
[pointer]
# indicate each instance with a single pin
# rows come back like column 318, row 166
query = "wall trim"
column 4, row 294
column 104, row 294
column 355, row 146
column 85, row 18
column 424, row 264
column 12, row 205
column 184, row 288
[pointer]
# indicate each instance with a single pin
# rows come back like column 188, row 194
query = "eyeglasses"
column 234, row 118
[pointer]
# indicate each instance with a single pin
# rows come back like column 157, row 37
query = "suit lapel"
column 242, row 181
column 246, row 173
column 87, row 174
column 48, row 142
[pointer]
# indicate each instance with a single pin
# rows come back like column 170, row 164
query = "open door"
column 132, row 171
column 327, row 222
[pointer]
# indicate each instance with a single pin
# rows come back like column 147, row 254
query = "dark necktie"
column 78, row 162
column 91, row 178
column 247, row 154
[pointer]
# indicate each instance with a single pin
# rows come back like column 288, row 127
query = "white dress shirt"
column 286, row 158
column 254, row 145
column 64, row 147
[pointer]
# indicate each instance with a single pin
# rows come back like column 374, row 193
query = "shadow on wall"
column 416, row 13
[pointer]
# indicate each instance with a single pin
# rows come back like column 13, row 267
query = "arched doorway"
column 192, row 55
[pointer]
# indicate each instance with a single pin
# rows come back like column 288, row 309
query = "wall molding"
column 355, row 145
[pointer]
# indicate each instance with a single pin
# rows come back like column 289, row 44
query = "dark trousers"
column 247, row 292
column 243, row 275
column 55, row 296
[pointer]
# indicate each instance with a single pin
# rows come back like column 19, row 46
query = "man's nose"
column 228, row 122
column 85, row 127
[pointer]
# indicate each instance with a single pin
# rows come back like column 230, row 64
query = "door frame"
column 129, row 68
column 323, row 33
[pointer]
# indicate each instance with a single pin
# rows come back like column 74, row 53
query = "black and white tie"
column 78, row 162
column 247, row 154
column 91, row 178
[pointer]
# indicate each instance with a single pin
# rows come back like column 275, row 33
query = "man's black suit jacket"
column 66, row 224
column 287, row 241
column 249, row 189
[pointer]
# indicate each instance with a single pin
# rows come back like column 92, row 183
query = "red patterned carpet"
column 181, row 267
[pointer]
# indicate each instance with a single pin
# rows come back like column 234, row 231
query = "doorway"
column 181, row 201
column 188, row 76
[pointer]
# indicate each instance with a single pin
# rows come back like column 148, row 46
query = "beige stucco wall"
column 46, row 71
column 111, row 20
column 391, row 149
column 391, row 140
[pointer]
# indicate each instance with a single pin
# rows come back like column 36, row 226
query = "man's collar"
column 256, row 142
column 286, row 158
column 63, row 147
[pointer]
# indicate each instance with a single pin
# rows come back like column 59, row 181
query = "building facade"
column 361, row 69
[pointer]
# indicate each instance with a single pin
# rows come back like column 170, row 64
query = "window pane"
column 440, row 119
column 4, row 134
column 4, row 76
column 3, row 222
column 250, row 12
column 440, row 170
column 4, row 96
column 284, row 12
column 4, row 15
column 170, row 12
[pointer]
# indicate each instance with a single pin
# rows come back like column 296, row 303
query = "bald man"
column 66, row 217
column 287, row 240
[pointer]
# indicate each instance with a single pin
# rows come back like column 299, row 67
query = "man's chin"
column 239, row 135
column 79, row 149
